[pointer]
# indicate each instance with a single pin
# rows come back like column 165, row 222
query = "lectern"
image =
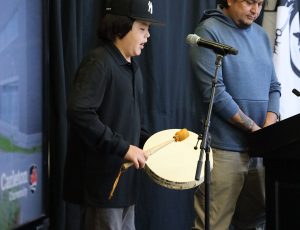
column 279, row 146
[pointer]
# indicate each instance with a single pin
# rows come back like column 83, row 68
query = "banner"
column 21, row 115
column 287, row 56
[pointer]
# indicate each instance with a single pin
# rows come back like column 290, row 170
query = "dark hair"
column 113, row 26
column 223, row 4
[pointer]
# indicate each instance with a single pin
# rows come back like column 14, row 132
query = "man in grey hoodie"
column 246, row 99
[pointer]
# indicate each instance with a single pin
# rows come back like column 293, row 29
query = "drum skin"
column 174, row 166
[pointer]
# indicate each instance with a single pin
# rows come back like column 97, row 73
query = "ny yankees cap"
column 137, row 9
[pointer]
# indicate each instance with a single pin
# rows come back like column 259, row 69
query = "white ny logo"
column 150, row 7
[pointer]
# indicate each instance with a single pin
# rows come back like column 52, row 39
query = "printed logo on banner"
column 33, row 178
column 287, row 56
column 294, row 34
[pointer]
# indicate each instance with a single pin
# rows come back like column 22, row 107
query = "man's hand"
column 244, row 122
column 270, row 119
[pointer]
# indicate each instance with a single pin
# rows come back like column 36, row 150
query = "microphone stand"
column 204, row 147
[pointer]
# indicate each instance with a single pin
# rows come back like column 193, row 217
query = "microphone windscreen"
column 192, row 39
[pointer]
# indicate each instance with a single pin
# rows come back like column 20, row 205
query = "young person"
column 104, row 114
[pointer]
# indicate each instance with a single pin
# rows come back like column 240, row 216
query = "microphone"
column 195, row 40
column 296, row 92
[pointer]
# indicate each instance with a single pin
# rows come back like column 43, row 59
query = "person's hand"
column 271, row 119
column 244, row 122
column 255, row 127
column 137, row 156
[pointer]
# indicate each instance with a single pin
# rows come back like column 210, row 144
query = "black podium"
column 279, row 146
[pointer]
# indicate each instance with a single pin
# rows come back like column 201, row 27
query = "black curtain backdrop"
column 168, row 99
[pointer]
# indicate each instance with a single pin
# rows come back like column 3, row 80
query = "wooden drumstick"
column 179, row 136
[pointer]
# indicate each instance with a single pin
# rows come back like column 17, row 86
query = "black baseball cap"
column 137, row 9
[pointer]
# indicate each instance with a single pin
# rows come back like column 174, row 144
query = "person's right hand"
column 137, row 156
